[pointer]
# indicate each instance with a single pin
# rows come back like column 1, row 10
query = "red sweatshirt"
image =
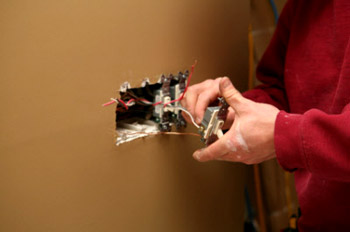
column 306, row 73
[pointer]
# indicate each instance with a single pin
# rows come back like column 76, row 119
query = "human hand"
column 250, row 139
column 198, row 97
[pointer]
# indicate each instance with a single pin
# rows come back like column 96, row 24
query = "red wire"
column 188, row 83
column 157, row 103
column 108, row 103
column 119, row 100
column 124, row 104
column 160, row 102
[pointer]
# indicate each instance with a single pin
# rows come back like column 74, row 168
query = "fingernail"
column 198, row 120
column 226, row 83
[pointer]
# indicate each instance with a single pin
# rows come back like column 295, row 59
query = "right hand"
column 250, row 139
column 199, row 96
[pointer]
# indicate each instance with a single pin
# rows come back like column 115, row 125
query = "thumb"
column 232, row 96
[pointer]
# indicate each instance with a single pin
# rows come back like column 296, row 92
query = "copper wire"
column 162, row 133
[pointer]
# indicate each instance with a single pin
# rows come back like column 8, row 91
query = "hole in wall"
column 150, row 108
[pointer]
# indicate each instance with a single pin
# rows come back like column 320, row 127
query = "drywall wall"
column 59, row 167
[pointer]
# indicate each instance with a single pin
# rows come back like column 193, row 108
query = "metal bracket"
column 214, row 118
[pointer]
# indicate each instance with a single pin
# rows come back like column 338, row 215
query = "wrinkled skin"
column 250, row 138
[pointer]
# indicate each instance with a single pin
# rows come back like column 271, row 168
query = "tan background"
column 59, row 167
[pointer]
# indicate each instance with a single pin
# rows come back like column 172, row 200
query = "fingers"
column 191, row 101
column 229, row 120
column 250, row 138
column 232, row 96
column 203, row 101
column 199, row 96
column 218, row 149
column 186, row 117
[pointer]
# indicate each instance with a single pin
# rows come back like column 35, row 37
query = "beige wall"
column 59, row 167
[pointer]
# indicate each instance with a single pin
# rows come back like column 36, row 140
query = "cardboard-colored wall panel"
column 59, row 167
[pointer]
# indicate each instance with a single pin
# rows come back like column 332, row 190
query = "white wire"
column 188, row 113
column 174, row 107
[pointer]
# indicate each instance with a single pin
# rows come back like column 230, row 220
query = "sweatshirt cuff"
column 288, row 141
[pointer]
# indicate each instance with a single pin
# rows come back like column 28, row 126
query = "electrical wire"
column 187, row 112
column 129, row 103
column 251, row 57
column 113, row 100
column 162, row 133
column 142, row 100
column 188, row 83
column 274, row 9
column 122, row 102
column 157, row 103
column 109, row 103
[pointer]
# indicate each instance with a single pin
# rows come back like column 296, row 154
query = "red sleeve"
column 271, row 67
column 315, row 141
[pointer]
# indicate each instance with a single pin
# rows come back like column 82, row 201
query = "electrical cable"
column 162, row 133
column 113, row 100
column 188, row 83
column 123, row 103
column 189, row 114
column 128, row 103
column 109, row 103
column 144, row 101
column 251, row 57
column 274, row 9
column 157, row 103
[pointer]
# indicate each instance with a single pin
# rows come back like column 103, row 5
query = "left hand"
column 250, row 139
